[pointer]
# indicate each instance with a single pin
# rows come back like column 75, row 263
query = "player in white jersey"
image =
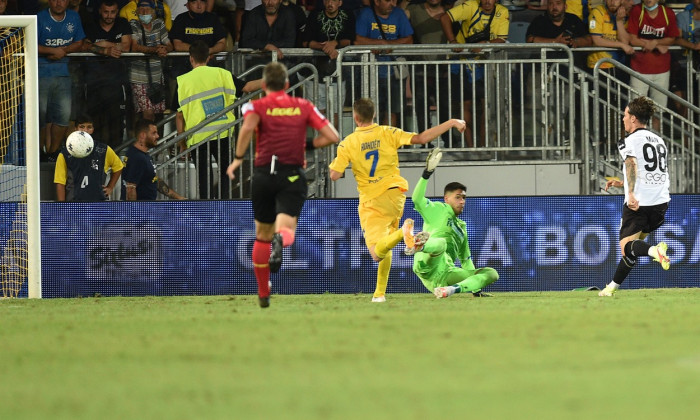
column 646, row 185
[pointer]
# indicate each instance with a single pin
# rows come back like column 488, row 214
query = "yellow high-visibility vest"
column 202, row 92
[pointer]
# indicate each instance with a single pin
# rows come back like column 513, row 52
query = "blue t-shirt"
column 690, row 28
column 396, row 26
column 140, row 170
column 53, row 33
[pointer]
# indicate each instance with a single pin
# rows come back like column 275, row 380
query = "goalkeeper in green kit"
column 443, row 241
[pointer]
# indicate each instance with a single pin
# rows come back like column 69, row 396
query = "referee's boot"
column 265, row 301
column 275, row 260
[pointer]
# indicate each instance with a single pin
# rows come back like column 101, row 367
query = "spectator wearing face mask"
column 149, row 36
column 161, row 10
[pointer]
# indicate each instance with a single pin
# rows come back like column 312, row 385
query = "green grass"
column 559, row 355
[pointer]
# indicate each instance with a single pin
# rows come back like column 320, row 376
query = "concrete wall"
column 481, row 180
column 488, row 180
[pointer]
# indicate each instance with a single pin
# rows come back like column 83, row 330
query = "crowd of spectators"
column 114, row 91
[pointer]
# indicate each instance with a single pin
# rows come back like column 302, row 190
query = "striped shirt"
column 157, row 35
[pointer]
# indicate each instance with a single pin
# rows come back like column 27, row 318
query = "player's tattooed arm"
column 164, row 189
column 631, row 168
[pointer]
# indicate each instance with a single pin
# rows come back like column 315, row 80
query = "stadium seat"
column 517, row 31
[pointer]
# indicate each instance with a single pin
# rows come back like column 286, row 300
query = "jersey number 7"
column 374, row 155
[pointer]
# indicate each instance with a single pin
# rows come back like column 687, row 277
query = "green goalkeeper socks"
column 483, row 277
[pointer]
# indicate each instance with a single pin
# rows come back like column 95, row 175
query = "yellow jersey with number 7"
column 372, row 151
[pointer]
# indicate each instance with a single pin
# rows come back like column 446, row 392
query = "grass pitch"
column 557, row 355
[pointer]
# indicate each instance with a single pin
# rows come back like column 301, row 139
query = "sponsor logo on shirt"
column 58, row 42
column 650, row 30
column 283, row 112
column 199, row 31
column 388, row 29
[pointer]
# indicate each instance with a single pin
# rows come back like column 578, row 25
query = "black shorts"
column 646, row 220
column 283, row 192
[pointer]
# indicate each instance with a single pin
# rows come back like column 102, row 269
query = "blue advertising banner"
column 204, row 247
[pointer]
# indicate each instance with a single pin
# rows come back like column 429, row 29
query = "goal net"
column 20, row 246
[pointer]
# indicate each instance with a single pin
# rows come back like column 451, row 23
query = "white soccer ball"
column 80, row 144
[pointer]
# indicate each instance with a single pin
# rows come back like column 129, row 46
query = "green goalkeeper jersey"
column 441, row 222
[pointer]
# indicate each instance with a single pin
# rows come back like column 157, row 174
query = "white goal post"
column 29, row 105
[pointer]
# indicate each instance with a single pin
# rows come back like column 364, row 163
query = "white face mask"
column 145, row 19
column 652, row 8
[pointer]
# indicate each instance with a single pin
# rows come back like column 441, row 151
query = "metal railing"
column 178, row 168
column 532, row 105
column 681, row 132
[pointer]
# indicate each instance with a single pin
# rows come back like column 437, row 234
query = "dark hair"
column 454, row 186
column 142, row 126
column 199, row 51
column 364, row 108
column 642, row 108
column 83, row 118
column 275, row 76
column 110, row 3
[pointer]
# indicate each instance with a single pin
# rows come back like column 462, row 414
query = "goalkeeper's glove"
column 432, row 162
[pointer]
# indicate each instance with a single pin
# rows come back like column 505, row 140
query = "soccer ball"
column 79, row 144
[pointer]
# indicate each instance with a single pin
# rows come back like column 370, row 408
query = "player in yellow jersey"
column 372, row 150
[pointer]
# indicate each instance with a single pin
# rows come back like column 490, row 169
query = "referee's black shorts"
column 282, row 192
column 646, row 219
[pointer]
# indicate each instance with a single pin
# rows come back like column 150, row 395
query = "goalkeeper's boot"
column 379, row 299
column 661, row 256
column 419, row 241
column 275, row 260
column 444, row 292
column 609, row 290
column 421, row 238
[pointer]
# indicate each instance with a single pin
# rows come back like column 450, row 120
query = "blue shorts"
column 54, row 100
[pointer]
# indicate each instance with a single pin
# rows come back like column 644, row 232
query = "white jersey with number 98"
column 652, row 167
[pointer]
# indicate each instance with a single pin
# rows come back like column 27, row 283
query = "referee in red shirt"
column 279, row 186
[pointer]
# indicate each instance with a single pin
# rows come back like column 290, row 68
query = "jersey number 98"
column 655, row 157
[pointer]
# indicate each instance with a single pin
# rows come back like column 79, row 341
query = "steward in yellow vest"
column 203, row 92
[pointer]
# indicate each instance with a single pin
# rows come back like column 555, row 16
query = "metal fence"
column 677, row 123
column 523, row 103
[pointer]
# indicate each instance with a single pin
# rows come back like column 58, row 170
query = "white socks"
column 653, row 252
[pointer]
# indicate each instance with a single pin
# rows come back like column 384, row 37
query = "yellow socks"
column 383, row 275
column 387, row 243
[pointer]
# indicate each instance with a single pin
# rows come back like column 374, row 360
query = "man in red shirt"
column 279, row 186
column 653, row 27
